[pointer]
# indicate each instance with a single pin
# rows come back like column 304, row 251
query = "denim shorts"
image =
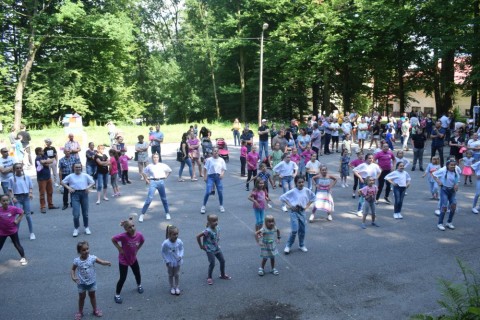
column 86, row 287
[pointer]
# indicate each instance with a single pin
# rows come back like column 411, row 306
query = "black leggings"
column 211, row 259
column 123, row 275
column 251, row 174
column 16, row 243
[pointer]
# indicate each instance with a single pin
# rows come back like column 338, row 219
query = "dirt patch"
column 266, row 310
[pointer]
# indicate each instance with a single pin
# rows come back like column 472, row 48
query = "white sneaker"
column 450, row 226
column 23, row 262
column 395, row 216
column 222, row 209
column 399, row 215
column 284, row 208
column 140, row 219
column 343, row 185
column 346, row 185
column 437, row 212
column 75, row 232
column 360, row 213
column 203, row 209
column 440, row 227
column 329, row 217
column 286, row 250
column 269, row 205
column 87, row 230
column 475, row 210
column 32, row 236
column 57, row 185
column 167, row 216
column 312, row 216
column 304, row 249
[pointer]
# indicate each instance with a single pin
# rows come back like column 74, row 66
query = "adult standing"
column 12, row 136
column 362, row 131
column 102, row 162
column 26, row 144
column 405, row 133
column 44, row 180
column 429, row 125
column 73, row 146
column 316, row 139
column 141, row 148
column 335, row 127
column 438, row 136
column 263, row 131
column 10, row 218
column 280, row 139
column 91, row 165
column 303, row 140
column 78, row 185
column 294, row 129
column 51, row 153
column 112, row 132
column 213, row 172
column 456, row 142
column 418, row 142
column 65, row 168
column 185, row 158
column 156, row 138
column 236, row 128
column 474, row 145
column 327, row 136
column 6, row 169
column 386, row 161
column 155, row 175
column 247, row 136
column 194, row 154
column 445, row 124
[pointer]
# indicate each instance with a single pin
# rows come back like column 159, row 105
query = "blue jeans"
column 262, row 146
column 447, row 196
column 310, row 180
column 214, row 179
column 297, row 224
column 5, row 185
column 236, row 137
column 91, row 169
column 399, row 194
column 80, row 200
column 101, row 181
column 259, row 216
column 157, row 149
column 156, row 185
column 287, row 183
column 477, row 194
column 23, row 202
column 188, row 162
column 361, row 199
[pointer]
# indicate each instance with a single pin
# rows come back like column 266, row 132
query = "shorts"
column 86, row 287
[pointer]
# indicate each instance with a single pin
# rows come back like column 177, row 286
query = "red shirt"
column 7, row 220
column 384, row 159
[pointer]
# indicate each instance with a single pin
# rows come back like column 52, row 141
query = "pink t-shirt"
column 252, row 159
column 307, row 154
column 384, row 159
column 260, row 197
column 243, row 151
column 7, row 220
column 123, row 162
column 356, row 162
column 369, row 193
column 130, row 246
column 113, row 166
column 295, row 158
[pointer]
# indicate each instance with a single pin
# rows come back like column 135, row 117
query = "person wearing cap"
column 73, row 146
column 263, row 131
column 247, row 136
column 51, row 153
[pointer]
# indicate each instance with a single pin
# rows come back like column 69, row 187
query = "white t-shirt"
column 215, row 165
column 365, row 170
column 313, row 167
column 157, row 171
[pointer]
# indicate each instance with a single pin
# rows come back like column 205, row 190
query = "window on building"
column 428, row 111
column 467, row 112
column 416, row 109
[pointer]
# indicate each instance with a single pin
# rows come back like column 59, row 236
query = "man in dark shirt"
column 263, row 139
column 44, row 180
column 418, row 141
column 438, row 135
column 247, row 136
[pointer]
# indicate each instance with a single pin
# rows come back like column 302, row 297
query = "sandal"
column 78, row 315
column 194, row 179
column 261, row 272
column 97, row 313
column 225, row 277
column 210, row 281
column 181, row 180
column 275, row 271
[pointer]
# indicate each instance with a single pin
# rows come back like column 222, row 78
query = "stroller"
column 222, row 149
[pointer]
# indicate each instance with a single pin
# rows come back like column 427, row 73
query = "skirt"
column 467, row 171
column 324, row 201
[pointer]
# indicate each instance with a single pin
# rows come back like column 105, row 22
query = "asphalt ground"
column 391, row 272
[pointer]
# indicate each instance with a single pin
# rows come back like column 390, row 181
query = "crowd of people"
column 287, row 157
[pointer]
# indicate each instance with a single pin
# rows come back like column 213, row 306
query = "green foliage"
column 460, row 300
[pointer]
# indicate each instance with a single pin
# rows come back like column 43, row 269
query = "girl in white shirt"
column 172, row 253
column 400, row 180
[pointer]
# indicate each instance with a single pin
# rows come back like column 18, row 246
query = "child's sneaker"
column 261, row 272
column 118, row 299
column 359, row 213
column 364, row 226
column 275, row 272
column 172, row 291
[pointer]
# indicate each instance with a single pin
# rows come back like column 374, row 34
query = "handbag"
column 136, row 156
column 179, row 155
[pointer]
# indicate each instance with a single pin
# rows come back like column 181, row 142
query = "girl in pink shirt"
column 128, row 244
column 252, row 160
column 243, row 158
column 295, row 157
column 10, row 218
column 259, row 197
column 114, row 172
column 123, row 160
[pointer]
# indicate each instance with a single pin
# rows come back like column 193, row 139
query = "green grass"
column 99, row 134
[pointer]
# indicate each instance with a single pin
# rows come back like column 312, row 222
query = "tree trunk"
column 326, row 92
column 241, row 69
column 475, row 57
column 316, row 98
column 447, row 77
column 346, row 89
column 400, row 75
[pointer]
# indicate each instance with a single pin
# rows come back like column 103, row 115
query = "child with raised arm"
column 84, row 275
column 369, row 193
column 128, row 244
column 208, row 241
column 172, row 254
column 265, row 237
